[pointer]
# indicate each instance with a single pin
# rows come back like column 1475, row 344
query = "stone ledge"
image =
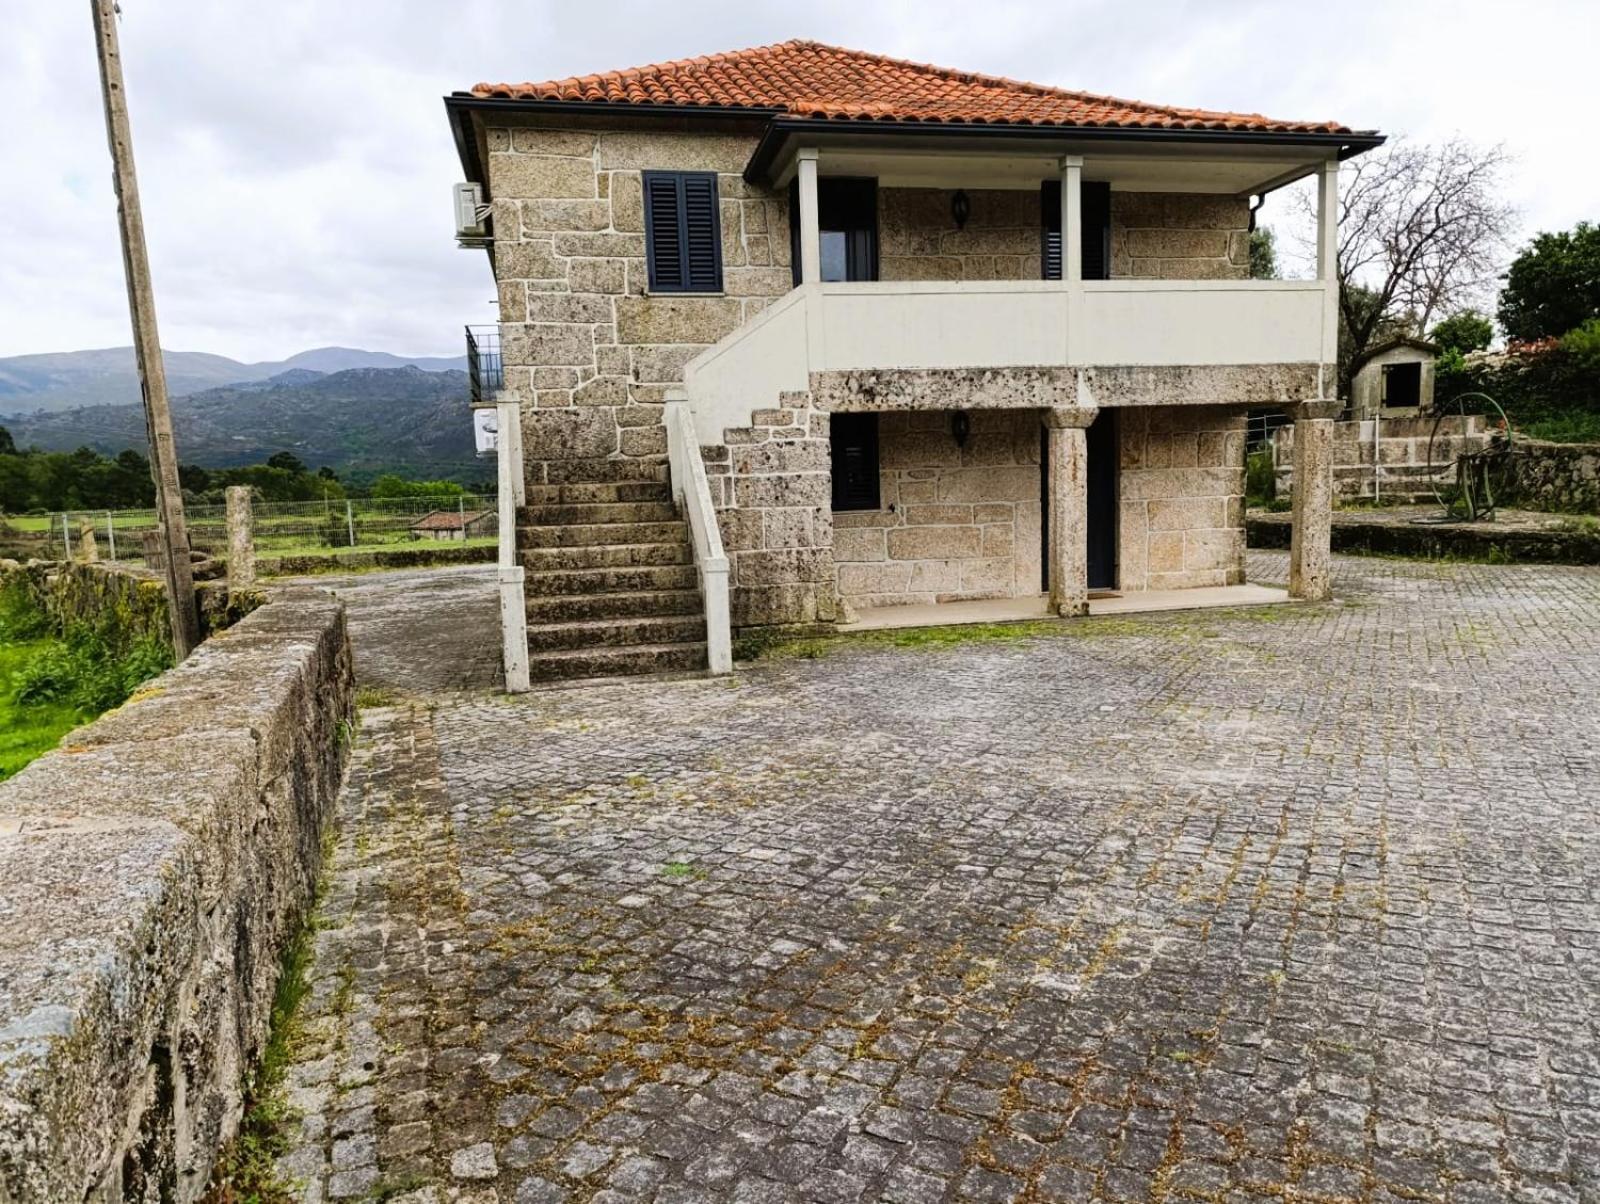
column 1516, row 537
column 152, row 870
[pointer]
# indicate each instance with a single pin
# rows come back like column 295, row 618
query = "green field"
column 27, row 731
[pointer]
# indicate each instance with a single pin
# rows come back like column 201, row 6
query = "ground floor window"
column 854, row 440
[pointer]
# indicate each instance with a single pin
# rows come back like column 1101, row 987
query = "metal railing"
column 485, row 371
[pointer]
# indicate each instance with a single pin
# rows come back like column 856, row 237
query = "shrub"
column 21, row 617
column 1260, row 478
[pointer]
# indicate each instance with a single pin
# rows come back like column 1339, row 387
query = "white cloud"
column 295, row 159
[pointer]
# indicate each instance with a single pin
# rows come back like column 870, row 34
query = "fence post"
column 111, row 534
column 350, row 520
column 155, row 554
column 241, row 540
column 88, row 551
column 66, row 535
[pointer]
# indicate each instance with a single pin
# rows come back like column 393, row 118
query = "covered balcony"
column 1143, row 324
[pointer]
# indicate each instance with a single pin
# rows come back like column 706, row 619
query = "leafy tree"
column 8, row 445
column 1463, row 331
column 287, row 461
column 1554, row 285
column 392, row 486
column 1263, row 254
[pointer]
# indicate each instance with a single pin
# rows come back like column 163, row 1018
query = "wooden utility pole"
column 181, row 605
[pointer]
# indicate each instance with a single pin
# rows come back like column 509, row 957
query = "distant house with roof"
column 454, row 524
column 933, row 337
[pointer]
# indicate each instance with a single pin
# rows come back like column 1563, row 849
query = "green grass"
column 27, row 730
column 52, row 681
column 1576, row 427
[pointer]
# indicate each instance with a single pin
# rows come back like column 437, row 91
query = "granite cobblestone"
column 1295, row 903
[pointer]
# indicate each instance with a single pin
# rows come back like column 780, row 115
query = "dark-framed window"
column 682, row 233
column 853, row 439
column 1095, row 197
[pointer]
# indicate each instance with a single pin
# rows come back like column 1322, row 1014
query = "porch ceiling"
column 1233, row 172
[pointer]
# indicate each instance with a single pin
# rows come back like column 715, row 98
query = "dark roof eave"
column 781, row 129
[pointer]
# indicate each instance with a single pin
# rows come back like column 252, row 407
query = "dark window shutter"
column 854, row 443
column 1050, row 226
column 683, row 238
column 1096, row 200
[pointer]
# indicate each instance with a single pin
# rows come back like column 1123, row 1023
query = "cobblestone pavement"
column 422, row 631
column 1299, row 903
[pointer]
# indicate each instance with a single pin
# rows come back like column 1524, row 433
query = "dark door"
column 847, row 218
column 1103, row 463
column 1104, row 460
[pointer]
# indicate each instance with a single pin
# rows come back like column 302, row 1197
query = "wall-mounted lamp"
column 960, row 427
column 961, row 208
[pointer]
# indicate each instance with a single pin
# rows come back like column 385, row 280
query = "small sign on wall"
column 486, row 430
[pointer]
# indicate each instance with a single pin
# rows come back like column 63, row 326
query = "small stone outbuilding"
column 1397, row 381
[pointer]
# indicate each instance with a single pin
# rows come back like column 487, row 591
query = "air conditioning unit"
column 472, row 216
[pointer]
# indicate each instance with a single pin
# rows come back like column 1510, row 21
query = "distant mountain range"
column 360, row 421
column 65, row 379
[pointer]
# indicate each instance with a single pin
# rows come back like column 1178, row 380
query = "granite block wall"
column 956, row 521
column 1181, row 508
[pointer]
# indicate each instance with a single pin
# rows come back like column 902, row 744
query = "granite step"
column 612, row 633
column 609, row 662
column 588, row 494
column 609, row 555
column 614, row 580
column 571, row 608
column 590, row 513
column 574, row 535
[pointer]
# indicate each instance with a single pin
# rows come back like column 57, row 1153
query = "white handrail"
column 513, row 605
column 692, row 493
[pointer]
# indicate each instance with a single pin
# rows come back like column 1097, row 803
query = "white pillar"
column 810, row 230
column 1069, row 507
column 1072, row 217
column 1311, row 529
column 1328, row 269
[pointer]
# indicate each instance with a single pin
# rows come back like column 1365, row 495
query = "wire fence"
column 281, row 528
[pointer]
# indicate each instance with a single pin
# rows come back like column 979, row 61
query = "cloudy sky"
column 295, row 162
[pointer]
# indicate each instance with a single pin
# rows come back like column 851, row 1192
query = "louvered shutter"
column 683, row 239
column 1096, row 200
column 703, row 239
column 853, row 440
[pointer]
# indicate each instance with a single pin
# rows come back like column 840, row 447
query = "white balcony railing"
column 1004, row 324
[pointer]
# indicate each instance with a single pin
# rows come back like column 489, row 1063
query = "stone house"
column 456, row 525
column 807, row 316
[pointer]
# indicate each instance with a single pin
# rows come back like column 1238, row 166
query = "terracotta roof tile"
column 811, row 79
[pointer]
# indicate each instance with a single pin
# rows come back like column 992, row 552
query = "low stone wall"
column 412, row 556
column 152, row 871
column 1556, row 476
column 1402, row 454
column 129, row 598
column 1515, row 538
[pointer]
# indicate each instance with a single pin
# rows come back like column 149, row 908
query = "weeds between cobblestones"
column 1225, row 907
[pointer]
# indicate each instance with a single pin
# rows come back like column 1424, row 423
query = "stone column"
column 88, row 550
column 1311, row 534
column 241, row 540
column 1069, row 508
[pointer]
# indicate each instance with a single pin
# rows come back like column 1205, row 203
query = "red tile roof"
column 811, row 79
column 447, row 520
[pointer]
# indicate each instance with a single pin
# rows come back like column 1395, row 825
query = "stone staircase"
column 611, row 583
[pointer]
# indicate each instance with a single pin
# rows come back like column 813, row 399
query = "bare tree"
column 1422, row 232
